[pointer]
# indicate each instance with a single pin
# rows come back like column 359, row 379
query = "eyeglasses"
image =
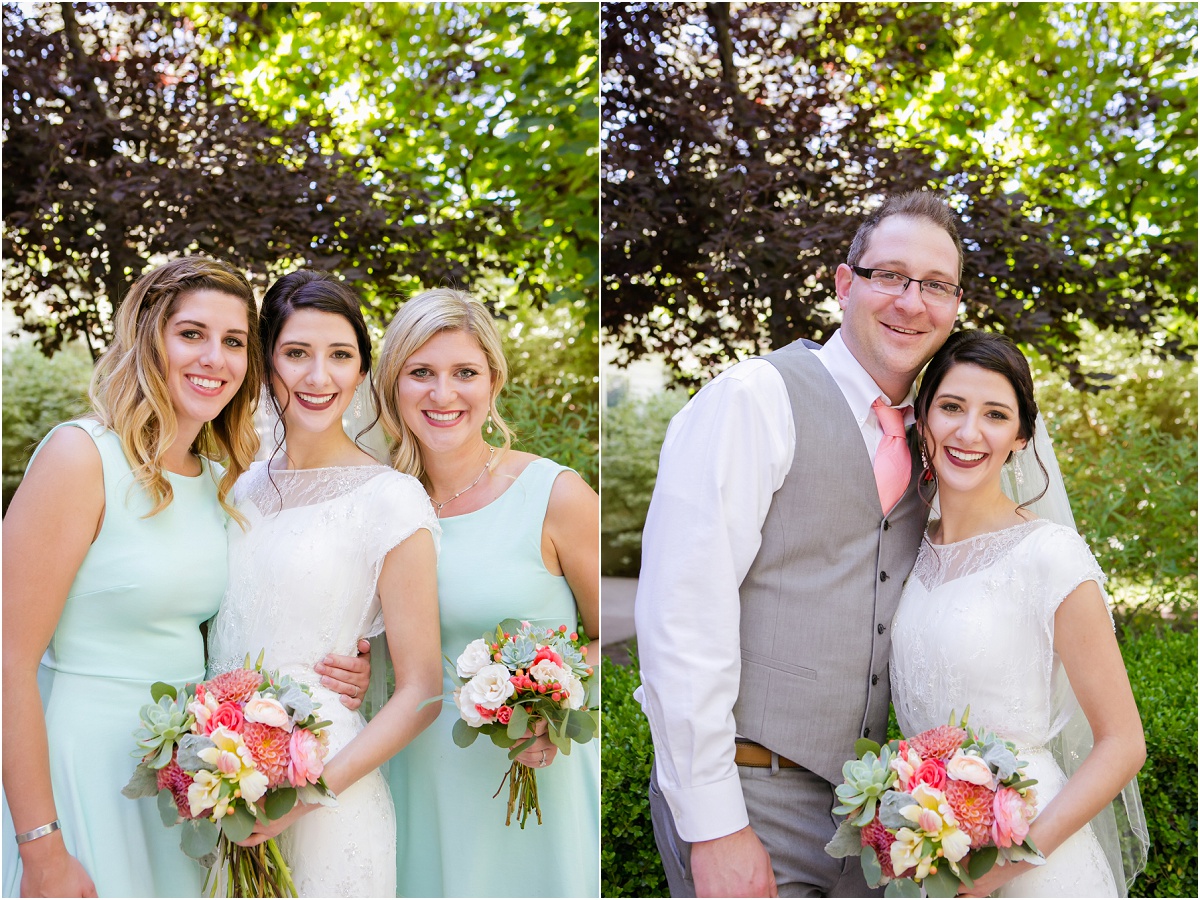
column 895, row 284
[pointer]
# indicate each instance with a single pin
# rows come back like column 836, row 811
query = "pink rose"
column 306, row 758
column 931, row 772
column 504, row 713
column 1012, row 817
column 547, row 653
column 227, row 715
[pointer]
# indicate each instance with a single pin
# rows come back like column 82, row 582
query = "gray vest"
column 817, row 603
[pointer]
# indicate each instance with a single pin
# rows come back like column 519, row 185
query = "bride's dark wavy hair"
column 996, row 353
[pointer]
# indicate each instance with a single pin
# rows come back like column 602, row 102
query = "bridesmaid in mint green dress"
column 519, row 540
column 109, row 571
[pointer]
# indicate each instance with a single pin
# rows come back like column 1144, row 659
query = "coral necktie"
column 893, row 462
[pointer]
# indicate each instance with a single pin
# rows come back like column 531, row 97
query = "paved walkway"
column 616, row 617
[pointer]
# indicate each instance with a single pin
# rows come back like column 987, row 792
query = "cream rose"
column 489, row 688
column 467, row 710
column 267, row 711
column 546, row 672
column 473, row 658
column 972, row 769
column 576, row 690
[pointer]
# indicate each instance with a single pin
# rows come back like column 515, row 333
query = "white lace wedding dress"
column 302, row 583
column 975, row 626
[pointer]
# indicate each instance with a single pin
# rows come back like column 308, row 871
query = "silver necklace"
column 487, row 465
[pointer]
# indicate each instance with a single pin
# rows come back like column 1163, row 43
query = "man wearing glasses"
column 784, row 522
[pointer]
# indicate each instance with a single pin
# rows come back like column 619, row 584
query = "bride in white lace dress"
column 1005, row 613
column 338, row 547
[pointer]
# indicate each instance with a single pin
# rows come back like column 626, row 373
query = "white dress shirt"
column 725, row 455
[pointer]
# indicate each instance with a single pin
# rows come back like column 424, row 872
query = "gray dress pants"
column 791, row 812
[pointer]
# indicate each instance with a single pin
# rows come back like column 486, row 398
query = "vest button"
column 874, row 679
column 866, row 732
column 879, row 628
column 886, row 525
column 883, row 576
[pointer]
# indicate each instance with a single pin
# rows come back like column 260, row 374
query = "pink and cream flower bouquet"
column 516, row 684
column 932, row 812
column 241, row 747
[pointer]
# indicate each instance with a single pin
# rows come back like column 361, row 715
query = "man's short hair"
column 916, row 204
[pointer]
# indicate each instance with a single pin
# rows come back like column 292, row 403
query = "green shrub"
column 1162, row 671
column 629, row 862
column 39, row 393
column 546, row 423
column 633, row 436
column 1128, row 456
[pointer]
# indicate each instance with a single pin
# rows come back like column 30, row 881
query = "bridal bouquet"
column 516, row 684
column 242, row 747
column 934, row 811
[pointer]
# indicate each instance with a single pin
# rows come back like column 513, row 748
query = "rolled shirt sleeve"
column 725, row 455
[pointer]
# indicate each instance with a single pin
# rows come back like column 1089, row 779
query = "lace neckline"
column 985, row 535
column 938, row 564
column 274, row 491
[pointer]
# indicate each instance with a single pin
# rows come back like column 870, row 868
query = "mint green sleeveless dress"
column 132, row 617
column 451, row 833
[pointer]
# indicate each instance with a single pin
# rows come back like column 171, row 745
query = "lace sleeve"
column 1065, row 561
column 399, row 507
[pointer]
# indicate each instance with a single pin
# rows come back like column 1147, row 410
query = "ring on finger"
column 543, row 762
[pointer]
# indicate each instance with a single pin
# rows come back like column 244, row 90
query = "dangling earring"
column 488, row 427
column 926, row 472
column 1018, row 474
column 358, row 402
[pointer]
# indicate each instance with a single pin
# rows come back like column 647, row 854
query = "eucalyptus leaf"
column 167, row 808
column 519, row 722
column 872, row 871
column 463, row 734
column 188, row 757
column 278, row 803
column 161, row 689
column 237, row 824
column 199, row 837
column 902, row 887
column 981, row 861
column 943, row 883
column 863, row 746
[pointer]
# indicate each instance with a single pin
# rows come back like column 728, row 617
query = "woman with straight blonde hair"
column 114, row 555
column 520, row 539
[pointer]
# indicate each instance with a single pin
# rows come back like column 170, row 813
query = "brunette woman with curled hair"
column 338, row 546
column 114, row 555
column 1005, row 612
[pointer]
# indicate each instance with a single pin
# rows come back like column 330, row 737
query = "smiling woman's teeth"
column 209, row 384
column 315, row 400
column 965, row 457
column 442, row 417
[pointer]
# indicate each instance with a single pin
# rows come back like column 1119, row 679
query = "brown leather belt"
column 757, row 756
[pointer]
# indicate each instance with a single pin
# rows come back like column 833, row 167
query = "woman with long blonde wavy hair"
column 114, row 555
column 520, row 539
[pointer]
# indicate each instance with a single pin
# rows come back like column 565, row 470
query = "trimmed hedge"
column 1162, row 672
column 629, row 862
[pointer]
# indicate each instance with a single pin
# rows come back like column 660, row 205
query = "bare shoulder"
column 64, row 481
column 513, row 462
column 571, row 491
column 68, row 459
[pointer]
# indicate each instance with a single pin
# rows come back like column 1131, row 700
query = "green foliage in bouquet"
column 629, row 861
